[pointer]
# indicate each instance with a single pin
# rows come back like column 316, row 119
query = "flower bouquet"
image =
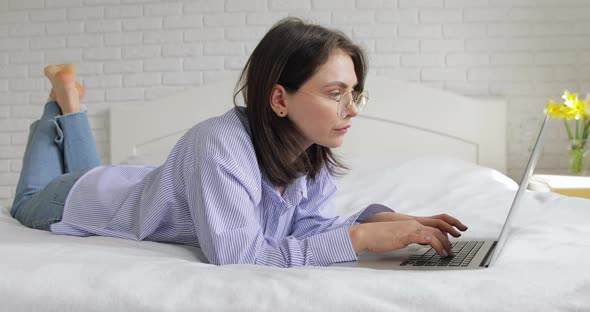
column 570, row 110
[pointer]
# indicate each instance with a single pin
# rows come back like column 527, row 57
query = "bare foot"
column 81, row 92
column 63, row 81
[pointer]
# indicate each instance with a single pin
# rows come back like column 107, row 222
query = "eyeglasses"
column 344, row 100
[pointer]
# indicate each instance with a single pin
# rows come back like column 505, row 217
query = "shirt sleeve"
column 221, row 194
column 316, row 214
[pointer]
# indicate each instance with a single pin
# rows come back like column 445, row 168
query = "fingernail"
column 452, row 253
column 428, row 238
column 445, row 253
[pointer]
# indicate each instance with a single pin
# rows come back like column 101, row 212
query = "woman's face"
column 315, row 115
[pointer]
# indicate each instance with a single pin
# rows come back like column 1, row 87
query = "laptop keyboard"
column 464, row 253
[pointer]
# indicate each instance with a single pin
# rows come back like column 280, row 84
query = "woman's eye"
column 335, row 95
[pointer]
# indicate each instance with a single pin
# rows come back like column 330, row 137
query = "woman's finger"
column 425, row 237
column 452, row 221
column 441, row 225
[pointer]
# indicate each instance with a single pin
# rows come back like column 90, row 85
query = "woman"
column 251, row 186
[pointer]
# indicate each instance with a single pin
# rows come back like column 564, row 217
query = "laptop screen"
column 528, row 172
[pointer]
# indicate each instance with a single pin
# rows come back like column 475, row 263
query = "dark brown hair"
column 289, row 54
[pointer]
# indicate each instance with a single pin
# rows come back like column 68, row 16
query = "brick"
column 167, row 36
column 11, row 125
column 384, row 60
column 123, row 67
column 163, row 65
column 420, row 3
column 209, row 34
column 102, row 81
column 121, row 11
column 63, row 56
column 26, row 4
column 466, row 3
column 223, row 48
column 94, row 96
column 374, row 31
column 245, row 33
column 235, row 62
column 486, row 45
column 4, row 138
column 490, row 74
column 4, row 58
column 123, row 39
column 182, row 50
column 86, row 13
column 375, row 4
column 265, row 19
column 286, row 5
column 63, row 3
column 101, row 2
column 85, row 68
column 421, row 60
column 555, row 58
column 142, row 80
column 245, row 6
column 332, row 4
column 398, row 45
column 420, row 31
column 353, row 17
column 102, row 54
column 148, row 23
column 468, row 88
column 8, row 178
column 26, row 57
column 13, row 17
column 204, row 63
column 186, row 21
column 26, row 111
column 141, row 52
column 85, row 41
column 552, row 29
column 204, row 6
column 397, row 16
column 464, row 30
column 441, row 16
column 12, row 71
column 158, row 92
column 65, row 28
column 103, row 26
column 444, row 74
column 218, row 75
column 227, row 19
column 470, row 59
column 183, row 78
column 163, row 9
column 124, row 94
column 26, row 30
column 16, row 165
column 3, row 88
column 512, row 58
column 509, row 29
column 13, row 44
column 436, row 45
column 409, row 74
column 485, row 15
column 29, row 84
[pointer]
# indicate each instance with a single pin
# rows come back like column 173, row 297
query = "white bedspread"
column 542, row 267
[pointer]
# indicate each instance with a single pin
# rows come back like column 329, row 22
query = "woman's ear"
column 278, row 100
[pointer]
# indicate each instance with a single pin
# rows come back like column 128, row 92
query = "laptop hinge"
column 486, row 260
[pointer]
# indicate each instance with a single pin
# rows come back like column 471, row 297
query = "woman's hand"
column 443, row 222
column 389, row 236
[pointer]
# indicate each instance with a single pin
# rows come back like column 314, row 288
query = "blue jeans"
column 60, row 149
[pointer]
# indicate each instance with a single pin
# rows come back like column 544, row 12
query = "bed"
column 418, row 150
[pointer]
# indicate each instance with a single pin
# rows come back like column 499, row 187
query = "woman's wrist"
column 358, row 237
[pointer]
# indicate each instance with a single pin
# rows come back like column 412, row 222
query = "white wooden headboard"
column 401, row 118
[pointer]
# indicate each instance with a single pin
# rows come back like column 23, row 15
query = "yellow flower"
column 554, row 110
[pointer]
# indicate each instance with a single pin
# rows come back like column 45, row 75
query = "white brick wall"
column 136, row 50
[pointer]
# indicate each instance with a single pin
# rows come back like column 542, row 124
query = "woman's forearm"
column 358, row 237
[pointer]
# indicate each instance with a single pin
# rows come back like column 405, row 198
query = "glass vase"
column 578, row 156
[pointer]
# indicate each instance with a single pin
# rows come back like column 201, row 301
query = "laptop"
column 468, row 254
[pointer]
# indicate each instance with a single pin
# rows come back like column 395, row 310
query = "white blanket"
column 541, row 267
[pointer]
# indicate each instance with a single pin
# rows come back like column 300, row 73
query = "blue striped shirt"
column 210, row 193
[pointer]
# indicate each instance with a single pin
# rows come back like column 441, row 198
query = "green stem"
column 586, row 128
column 567, row 127
column 577, row 129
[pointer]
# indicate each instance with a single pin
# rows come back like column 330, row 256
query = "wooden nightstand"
column 578, row 186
